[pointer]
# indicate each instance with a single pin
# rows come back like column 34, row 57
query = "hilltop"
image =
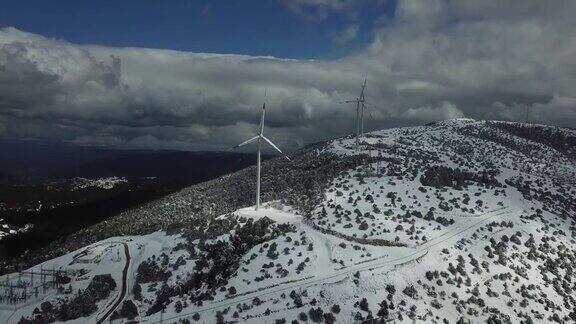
column 459, row 220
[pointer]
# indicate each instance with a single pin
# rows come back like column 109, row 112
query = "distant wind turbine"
column 258, row 138
column 360, row 105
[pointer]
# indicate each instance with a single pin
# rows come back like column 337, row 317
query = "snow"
column 102, row 183
column 6, row 230
column 272, row 210
column 470, row 258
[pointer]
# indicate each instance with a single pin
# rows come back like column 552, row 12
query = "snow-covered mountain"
column 461, row 220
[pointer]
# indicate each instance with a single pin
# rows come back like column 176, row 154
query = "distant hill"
column 44, row 187
column 459, row 221
column 34, row 162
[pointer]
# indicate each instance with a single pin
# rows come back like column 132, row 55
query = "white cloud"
column 445, row 110
column 320, row 9
column 443, row 57
column 346, row 36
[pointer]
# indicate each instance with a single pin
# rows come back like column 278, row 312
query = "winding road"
column 124, row 286
column 417, row 253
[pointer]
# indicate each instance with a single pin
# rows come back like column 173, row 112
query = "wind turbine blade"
column 247, row 142
column 363, row 88
column 372, row 106
column 364, row 105
column 276, row 147
column 369, row 112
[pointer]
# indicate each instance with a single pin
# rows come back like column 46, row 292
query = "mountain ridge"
column 461, row 220
column 248, row 188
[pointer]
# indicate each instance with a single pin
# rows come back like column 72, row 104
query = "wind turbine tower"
column 360, row 105
column 258, row 139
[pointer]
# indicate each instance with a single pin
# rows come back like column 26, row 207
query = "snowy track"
column 340, row 274
column 124, row 287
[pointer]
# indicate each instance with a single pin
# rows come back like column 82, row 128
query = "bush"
column 316, row 314
column 150, row 271
column 410, row 291
column 137, row 291
column 178, row 306
column 364, row 305
column 130, row 311
column 335, row 309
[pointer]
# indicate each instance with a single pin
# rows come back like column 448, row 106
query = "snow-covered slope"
column 458, row 220
column 103, row 183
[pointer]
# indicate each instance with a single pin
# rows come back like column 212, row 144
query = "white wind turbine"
column 360, row 105
column 258, row 138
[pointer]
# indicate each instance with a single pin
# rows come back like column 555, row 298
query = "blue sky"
column 424, row 61
column 240, row 27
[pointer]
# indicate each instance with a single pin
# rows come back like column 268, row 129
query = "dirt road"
column 124, row 286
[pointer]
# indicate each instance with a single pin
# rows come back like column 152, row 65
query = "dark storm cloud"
column 435, row 60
